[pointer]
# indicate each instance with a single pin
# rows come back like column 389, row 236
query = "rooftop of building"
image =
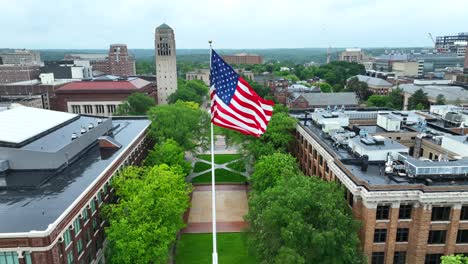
column 372, row 81
column 451, row 93
column 344, row 98
column 350, row 144
column 163, row 26
column 106, row 83
column 31, row 200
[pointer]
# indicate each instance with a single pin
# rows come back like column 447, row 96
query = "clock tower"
column 166, row 67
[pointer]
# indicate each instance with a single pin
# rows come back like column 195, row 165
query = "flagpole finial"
column 210, row 41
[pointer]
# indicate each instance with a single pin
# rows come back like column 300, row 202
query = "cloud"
column 230, row 23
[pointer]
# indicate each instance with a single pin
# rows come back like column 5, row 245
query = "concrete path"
column 231, row 206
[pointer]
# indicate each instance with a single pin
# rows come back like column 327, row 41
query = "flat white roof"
column 21, row 123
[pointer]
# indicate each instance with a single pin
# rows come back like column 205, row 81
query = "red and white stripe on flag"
column 247, row 112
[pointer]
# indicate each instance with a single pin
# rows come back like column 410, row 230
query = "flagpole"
column 213, row 189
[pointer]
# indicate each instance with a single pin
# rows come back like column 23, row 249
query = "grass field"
column 220, row 158
column 222, row 175
column 197, row 249
column 201, row 166
column 238, row 166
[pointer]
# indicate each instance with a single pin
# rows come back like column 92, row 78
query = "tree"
column 396, row 99
column 193, row 90
column 277, row 138
column 440, row 99
column 136, row 104
column 418, row 100
column 181, row 122
column 271, row 168
column 170, row 153
column 378, row 100
column 325, row 88
column 360, row 88
column 454, row 259
column 302, row 219
column 145, row 222
column 145, row 67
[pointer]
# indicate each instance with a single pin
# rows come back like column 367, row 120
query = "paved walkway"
column 220, row 148
column 231, row 206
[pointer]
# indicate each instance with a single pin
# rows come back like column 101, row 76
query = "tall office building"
column 120, row 62
column 466, row 61
column 166, row 68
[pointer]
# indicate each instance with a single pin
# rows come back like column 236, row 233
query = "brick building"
column 116, row 62
column 303, row 100
column 120, row 62
column 18, row 73
column 243, row 58
column 55, row 178
column 412, row 210
column 100, row 96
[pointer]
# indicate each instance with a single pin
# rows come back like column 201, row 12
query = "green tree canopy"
column 418, row 100
column 304, row 219
column 186, row 125
column 440, row 99
column 325, row 87
column 170, row 153
column 271, row 168
column 454, row 259
column 378, row 100
column 193, row 90
column 145, row 222
column 136, row 104
column 360, row 88
column 278, row 136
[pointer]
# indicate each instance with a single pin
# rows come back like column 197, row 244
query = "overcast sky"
column 95, row 24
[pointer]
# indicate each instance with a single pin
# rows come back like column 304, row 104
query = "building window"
column 378, row 258
column 99, row 197
column 399, row 257
column 405, row 211
column 95, row 225
column 79, row 246
column 432, row 259
column 9, row 257
column 382, row 212
column 67, row 237
column 440, row 213
column 380, row 235
column 77, row 226
column 88, row 109
column 402, row 235
column 100, row 109
column 85, row 215
column 437, row 237
column 27, row 258
column 93, row 206
column 462, row 236
column 111, row 109
column 76, row 109
column 464, row 213
column 70, row 257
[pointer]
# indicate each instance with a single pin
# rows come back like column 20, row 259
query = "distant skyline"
column 231, row 24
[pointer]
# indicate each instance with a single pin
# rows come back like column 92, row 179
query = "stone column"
column 367, row 232
column 419, row 233
column 452, row 231
column 391, row 232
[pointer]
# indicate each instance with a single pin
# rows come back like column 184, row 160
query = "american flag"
column 234, row 104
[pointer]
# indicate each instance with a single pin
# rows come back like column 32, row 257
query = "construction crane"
column 432, row 38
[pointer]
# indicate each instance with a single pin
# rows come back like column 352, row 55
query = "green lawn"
column 201, row 166
column 197, row 249
column 238, row 166
column 219, row 158
column 222, row 175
